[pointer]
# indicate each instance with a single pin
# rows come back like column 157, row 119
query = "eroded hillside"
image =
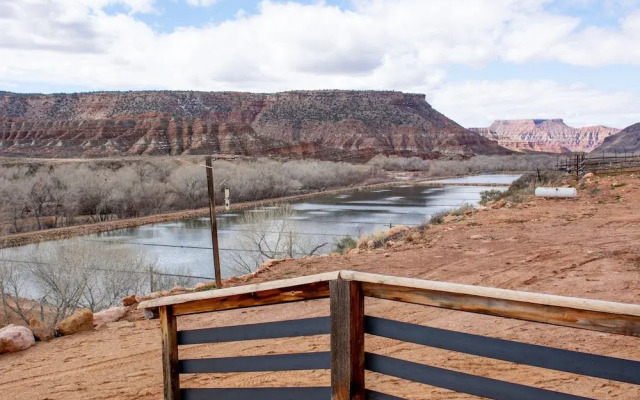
column 545, row 135
column 348, row 125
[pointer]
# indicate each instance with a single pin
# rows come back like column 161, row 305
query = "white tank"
column 557, row 192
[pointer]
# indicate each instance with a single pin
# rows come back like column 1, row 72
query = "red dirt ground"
column 586, row 248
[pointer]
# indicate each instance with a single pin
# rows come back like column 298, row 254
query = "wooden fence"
column 347, row 325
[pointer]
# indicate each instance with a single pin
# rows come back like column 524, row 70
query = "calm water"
column 184, row 246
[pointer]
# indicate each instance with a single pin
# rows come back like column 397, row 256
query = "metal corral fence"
column 580, row 164
column 348, row 323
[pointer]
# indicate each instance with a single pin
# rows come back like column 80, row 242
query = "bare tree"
column 13, row 290
column 87, row 274
column 270, row 233
column 37, row 196
column 13, row 203
column 100, row 191
column 189, row 186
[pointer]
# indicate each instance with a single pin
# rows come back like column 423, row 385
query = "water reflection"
column 185, row 245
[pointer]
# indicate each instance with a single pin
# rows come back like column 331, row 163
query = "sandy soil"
column 586, row 247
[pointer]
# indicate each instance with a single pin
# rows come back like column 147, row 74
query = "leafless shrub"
column 179, row 277
column 473, row 165
column 466, row 207
column 99, row 191
column 13, row 290
column 271, row 233
column 83, row 274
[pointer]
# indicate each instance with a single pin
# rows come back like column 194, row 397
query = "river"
column 184, row 247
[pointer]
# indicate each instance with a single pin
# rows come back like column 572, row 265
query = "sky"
column 475, row 60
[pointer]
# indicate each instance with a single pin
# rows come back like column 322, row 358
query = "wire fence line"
column 154, row 272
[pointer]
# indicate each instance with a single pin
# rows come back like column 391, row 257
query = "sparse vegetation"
column 63, row 279
column 462, row 210
column 523, row 187
column 344, row 244
column 490, row 195
column 474, row 165
column 270, row 233
column 38, row 196
column 438, row 218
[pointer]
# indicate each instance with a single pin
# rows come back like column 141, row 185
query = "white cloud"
column 597, row 46
column 201, row 3
column 478, row 103
column 401, row 45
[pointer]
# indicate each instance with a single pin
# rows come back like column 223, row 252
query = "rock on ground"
column 41, row 331
column 129, row 300
column 109, row 315
column 80, row 321
column 15, row 338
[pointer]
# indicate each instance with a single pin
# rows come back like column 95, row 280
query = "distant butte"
column 331, row 124
column 625, row 141
column 546, row 135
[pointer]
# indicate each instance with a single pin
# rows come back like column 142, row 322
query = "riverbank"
column 399, row 178
column 21, row 239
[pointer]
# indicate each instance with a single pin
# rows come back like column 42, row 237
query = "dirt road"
column 586, row 248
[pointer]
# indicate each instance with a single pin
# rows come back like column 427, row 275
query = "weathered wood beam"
column 169, row 354
column 347, row 340
column 604, row 316
column 309, row 291
column 237, row 290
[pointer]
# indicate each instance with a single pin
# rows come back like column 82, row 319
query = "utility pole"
column 214, row 222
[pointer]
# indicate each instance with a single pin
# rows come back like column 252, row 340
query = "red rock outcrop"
column 546, row 135
column 324, row 124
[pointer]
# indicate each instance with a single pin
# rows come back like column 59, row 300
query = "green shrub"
column 345, row 244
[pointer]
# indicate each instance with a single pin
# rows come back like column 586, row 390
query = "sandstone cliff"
column 626, row 141
column 323, row 124
column 547, row 135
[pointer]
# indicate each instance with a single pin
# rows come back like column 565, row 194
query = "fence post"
column 214, row 222
column 170, row 374
column 347, row 340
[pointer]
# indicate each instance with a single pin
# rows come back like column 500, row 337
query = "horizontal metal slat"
column 275, row 362
column 522, row 353
column 373, row 395
column 285, row 393
column 268, row 330
column 459, row 381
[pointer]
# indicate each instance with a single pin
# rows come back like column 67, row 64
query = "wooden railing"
column 347, row 324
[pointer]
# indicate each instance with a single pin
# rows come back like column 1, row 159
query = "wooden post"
column 347, row 340
column 214, row 222
column 170, row 374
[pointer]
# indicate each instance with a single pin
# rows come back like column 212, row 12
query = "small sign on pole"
column 227, row 200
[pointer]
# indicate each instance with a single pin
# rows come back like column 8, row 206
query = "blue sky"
column 476, row 60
